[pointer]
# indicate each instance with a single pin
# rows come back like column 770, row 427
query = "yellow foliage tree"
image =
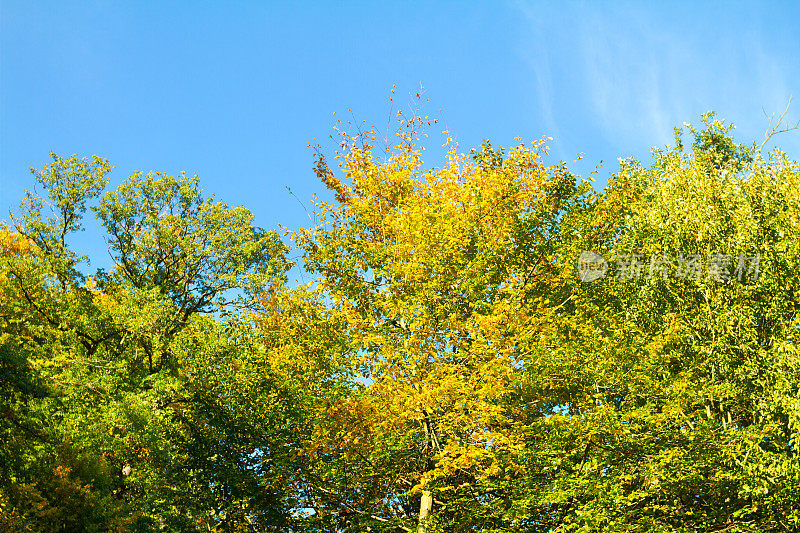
column 438, row 276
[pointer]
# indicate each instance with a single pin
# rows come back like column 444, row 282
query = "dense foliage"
column 446, row 370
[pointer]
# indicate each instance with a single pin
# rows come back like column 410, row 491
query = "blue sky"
column 234, row 91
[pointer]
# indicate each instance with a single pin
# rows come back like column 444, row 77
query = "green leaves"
column 69, row 184
column 196, row 251
column 98, row 365
column 702, row 389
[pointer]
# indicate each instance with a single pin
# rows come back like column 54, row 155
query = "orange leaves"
column 325, row 174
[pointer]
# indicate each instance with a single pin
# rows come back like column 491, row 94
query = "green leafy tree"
column 679, row 385
column 109, row 346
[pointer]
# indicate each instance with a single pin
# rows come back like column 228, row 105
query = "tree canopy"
column 447, row 369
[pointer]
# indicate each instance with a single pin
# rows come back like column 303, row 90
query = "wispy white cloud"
column 537, row 59
column 633, row 73
column 626, row 75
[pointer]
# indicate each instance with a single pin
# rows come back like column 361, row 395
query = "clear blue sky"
column 234, row 91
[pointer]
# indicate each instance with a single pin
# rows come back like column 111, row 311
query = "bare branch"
column 775, row 129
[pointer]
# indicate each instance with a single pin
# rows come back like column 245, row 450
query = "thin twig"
column 774, row 131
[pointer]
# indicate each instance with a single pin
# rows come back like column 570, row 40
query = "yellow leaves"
column 430, row 277
column 104, row 301
column 12, row 244
column 352, row 425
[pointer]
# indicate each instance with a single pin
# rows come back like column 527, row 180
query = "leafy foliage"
column 446, row 370
column 94, row 367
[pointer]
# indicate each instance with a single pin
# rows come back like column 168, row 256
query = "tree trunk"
column 425, row 506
